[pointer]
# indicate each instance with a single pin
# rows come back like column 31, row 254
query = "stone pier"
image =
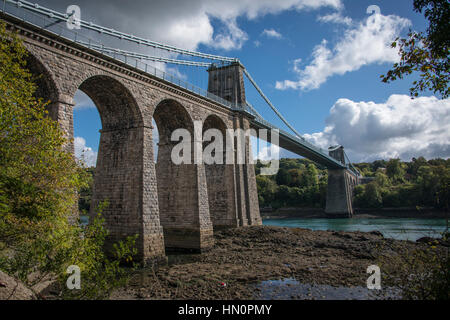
column 340, row 188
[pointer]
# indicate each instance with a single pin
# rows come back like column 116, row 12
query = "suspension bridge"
column 119, row 72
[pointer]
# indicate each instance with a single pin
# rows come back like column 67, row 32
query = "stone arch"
column 220, row 179
column 182, row 193
column 46, row 87
column 170, row 115
column 117, row 107
column 48, row 90
column 119, row 173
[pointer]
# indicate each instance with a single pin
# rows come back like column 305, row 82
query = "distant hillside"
column 301, row 183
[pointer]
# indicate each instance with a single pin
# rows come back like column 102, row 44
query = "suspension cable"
column 351, row 165
column 253, row 110
column 144, row 56
column 270, row 104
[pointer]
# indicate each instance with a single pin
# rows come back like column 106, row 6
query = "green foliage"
column 299, row 183
column 395, row 170
column 368, row 196
column 283, row 177
column 85, row 193
column 426, row 53
column 266, row 190
column 382, row 180
column 420, row 273
column 99, row 274
column 39, row 181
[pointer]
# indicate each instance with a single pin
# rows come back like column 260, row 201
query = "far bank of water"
column 395, row 228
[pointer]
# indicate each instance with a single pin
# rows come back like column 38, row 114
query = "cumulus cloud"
column 367, row 43
column 85, row 153
column 399, row 128
column 271, row 33
column 185, row 23
column 269, row 152
column 233, row 38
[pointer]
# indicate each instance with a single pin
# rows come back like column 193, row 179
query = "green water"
column 395, row 228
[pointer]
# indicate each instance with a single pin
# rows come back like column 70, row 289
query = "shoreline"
column 318, row 213
column 292, row 261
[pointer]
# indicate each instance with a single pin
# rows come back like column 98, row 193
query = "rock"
column 426, row 240
column 434, row 241
column 12, row 289
column 377, row 233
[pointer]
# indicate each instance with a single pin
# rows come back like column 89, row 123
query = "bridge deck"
column 299, row 146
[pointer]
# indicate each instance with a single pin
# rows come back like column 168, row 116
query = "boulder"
column 12, row 289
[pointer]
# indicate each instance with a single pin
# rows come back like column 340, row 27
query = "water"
column 291, row 289
column 84, row 220
column 395, row 228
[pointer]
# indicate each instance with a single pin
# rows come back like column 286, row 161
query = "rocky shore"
column 243, row 259
column 406, row 212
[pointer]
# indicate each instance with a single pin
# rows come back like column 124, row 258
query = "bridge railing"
column 58, row 27
column 300, row 140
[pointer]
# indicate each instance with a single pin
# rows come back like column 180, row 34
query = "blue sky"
column 318, row 61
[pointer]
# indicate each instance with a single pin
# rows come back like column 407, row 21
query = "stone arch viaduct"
column 169, row 206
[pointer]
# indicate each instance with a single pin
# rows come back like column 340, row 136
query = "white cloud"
column 185, row 23
column 233, row 38
column 269, row 152
column 400, row 127
column 84, row 153
column 82, row 101
column 367, row 43
column 335, row 17
column 271, row 33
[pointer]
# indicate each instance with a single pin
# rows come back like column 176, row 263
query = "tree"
column 372, row 195
column 381, row 179
column 395, row 170
column 283, row 177
column 296, row 177
column 312, row 176
column 415, row 164
column 428, row 184
column 266, row 189
column 38, row 184
column 426, row 53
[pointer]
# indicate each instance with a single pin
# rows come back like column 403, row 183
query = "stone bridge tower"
column 340, row 188
column 227, row 82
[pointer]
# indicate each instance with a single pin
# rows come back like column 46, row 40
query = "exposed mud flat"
column 244, row 259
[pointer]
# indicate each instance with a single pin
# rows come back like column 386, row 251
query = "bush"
column 421, row 273
column 39, row 181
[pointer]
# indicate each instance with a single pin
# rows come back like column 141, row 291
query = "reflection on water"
column 290, row 289
column 395, row 228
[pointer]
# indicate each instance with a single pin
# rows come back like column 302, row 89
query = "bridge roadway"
column 299, row 146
